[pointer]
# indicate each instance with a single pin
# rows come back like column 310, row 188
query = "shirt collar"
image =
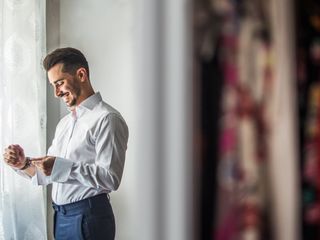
column 90, row 102
column 87, row 104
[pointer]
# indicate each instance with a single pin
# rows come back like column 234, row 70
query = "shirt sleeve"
column 38, row 179
column 22, row 173
column 106, row 171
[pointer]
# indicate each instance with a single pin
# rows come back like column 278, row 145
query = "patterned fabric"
column 311, row 168
column 308, row 82
column 310, row 75
column 23, row 114
column 245, row 54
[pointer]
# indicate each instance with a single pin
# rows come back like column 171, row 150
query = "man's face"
column 66, row 86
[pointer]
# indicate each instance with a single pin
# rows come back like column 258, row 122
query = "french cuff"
column 22, row 173
column 40, row 179
column 35, row 179
column 61, row 170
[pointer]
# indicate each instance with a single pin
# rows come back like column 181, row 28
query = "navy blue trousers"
column 88, row 219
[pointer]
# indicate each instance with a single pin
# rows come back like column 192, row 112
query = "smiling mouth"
column 64, row 95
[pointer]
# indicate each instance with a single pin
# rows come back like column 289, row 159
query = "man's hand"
column 14, row 156
column 44, row 164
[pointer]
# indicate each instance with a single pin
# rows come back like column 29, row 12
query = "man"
column 86, row 159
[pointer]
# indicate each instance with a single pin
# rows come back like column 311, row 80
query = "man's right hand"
column 14, row 156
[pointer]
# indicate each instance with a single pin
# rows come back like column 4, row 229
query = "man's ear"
column 82, row 74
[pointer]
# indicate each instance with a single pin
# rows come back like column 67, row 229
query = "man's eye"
column 58, row 84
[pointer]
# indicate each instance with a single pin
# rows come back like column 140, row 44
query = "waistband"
column 82, row 205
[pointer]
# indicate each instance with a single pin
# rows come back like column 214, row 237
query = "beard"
column 72, row 103
column 74, row 91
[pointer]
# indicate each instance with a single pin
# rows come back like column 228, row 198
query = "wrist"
column 26, row 165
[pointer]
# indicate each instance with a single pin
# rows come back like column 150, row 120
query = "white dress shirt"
column 90, row 145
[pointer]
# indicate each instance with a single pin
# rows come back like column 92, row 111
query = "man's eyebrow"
column 60, row 79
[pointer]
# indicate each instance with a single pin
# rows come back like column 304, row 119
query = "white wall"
column 103, row 31
column 141, row 71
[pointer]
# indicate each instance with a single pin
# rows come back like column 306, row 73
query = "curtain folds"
column 23, row 114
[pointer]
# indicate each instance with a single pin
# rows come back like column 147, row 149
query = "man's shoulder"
column 106, row 109
column 104, row 114
column 108, row 113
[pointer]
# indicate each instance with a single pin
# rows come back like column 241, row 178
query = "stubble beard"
column 75, row 95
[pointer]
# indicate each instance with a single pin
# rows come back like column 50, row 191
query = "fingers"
column 18, row 147
column 41, row 159
column 39, row 164
column 13, row 149
column 36, row 160
column 10, row 155
column 13, row 146
column 10, row 151
column 10, row 158
column 12, row 161
column 44, row 164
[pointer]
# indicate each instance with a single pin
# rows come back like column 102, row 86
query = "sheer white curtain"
column 23, row 115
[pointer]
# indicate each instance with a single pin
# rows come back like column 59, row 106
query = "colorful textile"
column 245, row 54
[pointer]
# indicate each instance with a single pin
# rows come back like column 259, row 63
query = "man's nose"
column 57, row 92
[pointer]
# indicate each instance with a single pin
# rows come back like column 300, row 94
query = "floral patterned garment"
column 308, row 83
column 245, row 54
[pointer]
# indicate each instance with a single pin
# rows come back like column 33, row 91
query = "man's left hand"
column 44, row 164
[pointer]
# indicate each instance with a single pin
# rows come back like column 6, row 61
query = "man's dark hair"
column 71, row 58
